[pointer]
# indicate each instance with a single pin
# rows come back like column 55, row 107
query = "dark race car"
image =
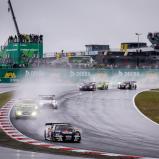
column 127, row 85
column 90, row 86
column 61, row 132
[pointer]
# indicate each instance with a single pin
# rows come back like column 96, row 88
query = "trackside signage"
column 8, row 75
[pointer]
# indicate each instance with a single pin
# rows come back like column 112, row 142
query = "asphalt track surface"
column 108, row 120
column 7, row 153
column 7, row 87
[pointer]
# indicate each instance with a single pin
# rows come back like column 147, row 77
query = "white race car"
column 127, row 85
column 26, row 108
column 48, row 100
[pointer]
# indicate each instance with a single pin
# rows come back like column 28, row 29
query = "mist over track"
column 108, row 119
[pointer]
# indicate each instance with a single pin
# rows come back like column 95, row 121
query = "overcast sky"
column 70, row 24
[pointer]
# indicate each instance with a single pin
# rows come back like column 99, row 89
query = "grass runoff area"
column 148, row 103
column 5, row 97
column 6, row 141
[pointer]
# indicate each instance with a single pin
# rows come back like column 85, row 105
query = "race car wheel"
column 106, row 87
column 54, row 107
column 79, row 139
column 130, row 87
column 45, row 135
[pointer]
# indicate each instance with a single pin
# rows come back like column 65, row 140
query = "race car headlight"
column 19, row 113
column 34, row 113
column 41, row 103
column 36, row 107
column 54, row 102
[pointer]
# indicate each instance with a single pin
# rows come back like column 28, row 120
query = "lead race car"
column 89, row 86
column 48, row 101
column 26, row 108
column 127, row 85
column 62, row 132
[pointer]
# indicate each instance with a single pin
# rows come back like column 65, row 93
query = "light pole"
column 138, row 39
column 137, row 51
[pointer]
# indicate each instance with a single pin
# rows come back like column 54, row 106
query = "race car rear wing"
column 56, row 123
column 133, row 81
column 47, row 95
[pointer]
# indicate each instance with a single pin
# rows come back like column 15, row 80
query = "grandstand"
column 21, row 50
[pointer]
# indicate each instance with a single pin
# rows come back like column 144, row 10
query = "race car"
column 26, row 108
column 61, row 132
column 102, row 85
column 127, row 85
column 48, row 100
column 90, row 86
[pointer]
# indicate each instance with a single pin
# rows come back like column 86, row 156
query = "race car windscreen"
column 46, row 98
column 64, row 128
column 28, row 101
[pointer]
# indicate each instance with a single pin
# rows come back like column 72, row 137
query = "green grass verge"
column 148, row 103
column 155, row 89
column 5, row 97
column 6, row 141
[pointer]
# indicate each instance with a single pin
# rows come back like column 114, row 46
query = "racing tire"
column 79, row 140
column 45, row 135
column 106, row 87
column 55, row 107
column 130, row 87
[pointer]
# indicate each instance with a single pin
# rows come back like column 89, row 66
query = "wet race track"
column 108, row 120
